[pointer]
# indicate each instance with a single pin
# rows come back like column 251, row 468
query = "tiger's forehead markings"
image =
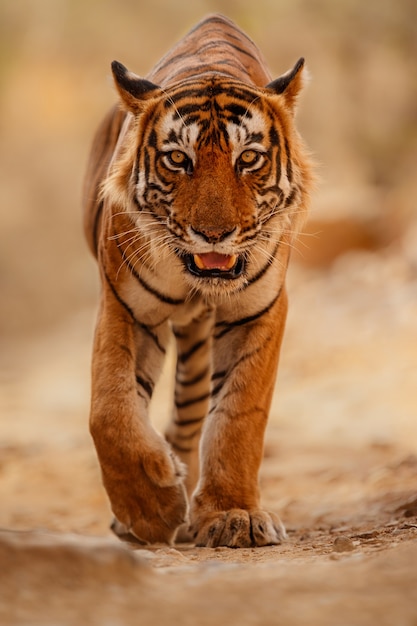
column 210, row 87
column 179, row 134
column 247, row 129
column 248, row 134
column 214, row 118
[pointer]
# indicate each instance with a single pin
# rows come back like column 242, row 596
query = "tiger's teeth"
column 232, row 261
column 213, row 260
column 198, row 261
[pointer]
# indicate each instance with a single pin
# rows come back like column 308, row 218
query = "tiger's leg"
column 142, row 476
column 192, row 392
column 225, row 510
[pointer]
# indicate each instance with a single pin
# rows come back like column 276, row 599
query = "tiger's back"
column 195, row 190
column 214, row 45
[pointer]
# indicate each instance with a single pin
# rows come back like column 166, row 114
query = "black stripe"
column 219, row 44
column 191, row 401
column 230, row 392
column 266, row 267
column 136, row 202
column 161, row 297
column 198, row 72
column 275, row 141
column 290, row 199
column 118, row 298
column 187, row 437
column 151, row 336
column 218, row 387
column 147, row 385
column 193, row 381
column 143, row 283
column 183, row 358
column 214, row 409
column 187, row 109
column 194, row 89
column 243, row 358
column 239, row 49
column 180, row 448
column 249, row 355
column 219, row 40
column 132, row 315
column 242, row 34
column 186, row 92
column 189, row 422
column 232, row 31
column 228, row 326
column 289, row 164
column 153, row 138
column 166, row 62
column 136, row 173
column 218, row 375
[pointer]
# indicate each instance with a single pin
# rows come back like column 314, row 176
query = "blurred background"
column 358, row 116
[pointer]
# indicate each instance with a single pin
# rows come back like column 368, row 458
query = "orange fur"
column 195, row 190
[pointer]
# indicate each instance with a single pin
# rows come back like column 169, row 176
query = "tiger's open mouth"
column 215, row 265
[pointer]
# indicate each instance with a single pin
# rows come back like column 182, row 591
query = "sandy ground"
column 340, row 468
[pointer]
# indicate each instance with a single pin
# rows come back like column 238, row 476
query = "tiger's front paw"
column 237, row 528
column 148, row 499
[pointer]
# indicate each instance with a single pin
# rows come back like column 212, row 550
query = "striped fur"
column 196, row 187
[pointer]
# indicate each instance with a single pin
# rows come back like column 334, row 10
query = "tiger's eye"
column 249, row 157
column 177, row 157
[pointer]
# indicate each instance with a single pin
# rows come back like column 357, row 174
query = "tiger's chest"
column 160, row 292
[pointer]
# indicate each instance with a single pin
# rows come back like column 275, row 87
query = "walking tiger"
column 196, row 187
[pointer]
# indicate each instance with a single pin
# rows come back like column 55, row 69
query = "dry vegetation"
column 341, row 458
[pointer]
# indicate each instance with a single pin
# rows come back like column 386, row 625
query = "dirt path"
column 340, row 467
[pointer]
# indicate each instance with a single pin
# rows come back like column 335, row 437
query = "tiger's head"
column 215, row 169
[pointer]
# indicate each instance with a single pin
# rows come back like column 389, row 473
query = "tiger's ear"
column 289, row 84
column 132, row 89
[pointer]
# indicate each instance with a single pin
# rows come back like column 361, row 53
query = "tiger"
column 196, row 187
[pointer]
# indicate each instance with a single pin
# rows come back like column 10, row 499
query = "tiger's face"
column 216, row 175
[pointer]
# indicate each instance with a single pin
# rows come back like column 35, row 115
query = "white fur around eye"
column 187, row 135
column 239, row 135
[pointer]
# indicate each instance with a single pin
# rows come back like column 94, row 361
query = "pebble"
column 343, row 544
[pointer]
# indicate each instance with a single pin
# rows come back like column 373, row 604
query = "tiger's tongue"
column 213, row 260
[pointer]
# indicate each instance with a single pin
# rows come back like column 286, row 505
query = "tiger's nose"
column 213, row 235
